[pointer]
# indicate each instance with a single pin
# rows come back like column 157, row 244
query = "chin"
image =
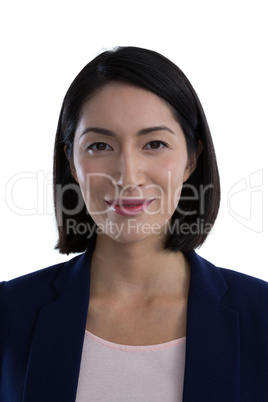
column 132, row 230
column 131, row 236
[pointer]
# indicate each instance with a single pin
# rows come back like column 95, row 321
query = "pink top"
column 120, row 373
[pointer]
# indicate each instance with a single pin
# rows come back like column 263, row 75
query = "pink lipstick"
column 128, row 206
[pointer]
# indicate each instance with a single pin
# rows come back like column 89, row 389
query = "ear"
column 192, row 162
column 71, row 162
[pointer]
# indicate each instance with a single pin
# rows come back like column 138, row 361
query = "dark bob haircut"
column 200, row 196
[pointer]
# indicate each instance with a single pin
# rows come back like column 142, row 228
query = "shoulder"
column 244, row 282
column 248, row 296
column 34, row 282
column 21, row 298
column 229, row 287
column 246, row 293
column 31, row 289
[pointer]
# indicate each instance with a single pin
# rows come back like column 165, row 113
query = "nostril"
column 125, row 187
column 129, row 186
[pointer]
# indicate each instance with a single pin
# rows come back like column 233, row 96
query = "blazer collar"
column 212, row 341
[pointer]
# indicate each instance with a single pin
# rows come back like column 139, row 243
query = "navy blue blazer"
column 43, row 318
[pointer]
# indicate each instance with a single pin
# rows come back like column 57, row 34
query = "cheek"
column 87, row 171
column 171, row 179
column 172, row 172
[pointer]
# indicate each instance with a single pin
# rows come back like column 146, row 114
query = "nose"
column 129, row 173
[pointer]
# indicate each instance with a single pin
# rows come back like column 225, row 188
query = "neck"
column 141, row 270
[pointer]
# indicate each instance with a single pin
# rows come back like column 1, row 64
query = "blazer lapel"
column 54, row 360
column 212, row 340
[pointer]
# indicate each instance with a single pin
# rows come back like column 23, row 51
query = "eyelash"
column 159, row 142
column 163, row 143
column 91, row 146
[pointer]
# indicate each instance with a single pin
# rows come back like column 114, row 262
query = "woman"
column 138, row 316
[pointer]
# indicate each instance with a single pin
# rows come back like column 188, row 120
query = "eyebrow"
column 111, row 133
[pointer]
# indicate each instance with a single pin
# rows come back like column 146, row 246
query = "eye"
column 99, row 146
column 156, row 145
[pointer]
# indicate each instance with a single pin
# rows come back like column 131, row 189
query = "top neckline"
column 130, row 348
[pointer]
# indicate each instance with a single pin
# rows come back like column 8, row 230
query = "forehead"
column 119, row 99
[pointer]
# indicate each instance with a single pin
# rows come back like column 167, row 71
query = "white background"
column 222, row 48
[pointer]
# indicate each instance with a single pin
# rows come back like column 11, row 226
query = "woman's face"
column 130, row 160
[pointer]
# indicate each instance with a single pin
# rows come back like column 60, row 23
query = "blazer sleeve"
column 20, row 301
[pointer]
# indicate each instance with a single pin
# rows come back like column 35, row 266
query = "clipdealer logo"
column 245, row 201
column 30, row 193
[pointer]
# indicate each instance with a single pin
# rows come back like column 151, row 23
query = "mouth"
column 127, row 206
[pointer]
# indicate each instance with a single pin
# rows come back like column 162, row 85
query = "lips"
column 129, row 206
